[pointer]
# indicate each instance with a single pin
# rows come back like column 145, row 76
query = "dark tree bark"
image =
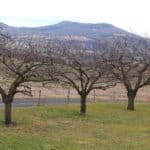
column 83, row 104
column 129, row 62
column 20, row 62
column 8, row 108
column 131, row 99
column 80, row 69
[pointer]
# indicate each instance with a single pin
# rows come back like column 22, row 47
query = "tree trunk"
column 131, row 97
column 8, row 108
column 83, row 104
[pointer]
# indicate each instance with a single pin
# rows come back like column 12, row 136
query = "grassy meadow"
column 107, row 126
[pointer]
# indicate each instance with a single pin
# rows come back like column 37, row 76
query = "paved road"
column 34, row 102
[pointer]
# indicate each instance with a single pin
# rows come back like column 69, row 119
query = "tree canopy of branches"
column 130, row 64
column 82, row 70
column 19, row 64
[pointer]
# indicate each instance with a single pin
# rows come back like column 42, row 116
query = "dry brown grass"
column 112, row 94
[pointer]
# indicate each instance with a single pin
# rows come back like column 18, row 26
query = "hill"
column 85, row 33
column 66, row 28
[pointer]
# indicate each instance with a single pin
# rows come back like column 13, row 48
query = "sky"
column 131, row 15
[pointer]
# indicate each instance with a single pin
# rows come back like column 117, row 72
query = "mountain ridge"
column 64, row 28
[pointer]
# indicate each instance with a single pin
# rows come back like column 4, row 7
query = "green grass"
column 105, row 127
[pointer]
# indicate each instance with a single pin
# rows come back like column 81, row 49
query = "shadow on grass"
column 12, row 124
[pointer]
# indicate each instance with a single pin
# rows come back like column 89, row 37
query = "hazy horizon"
column 34, row 22
column 129, row 15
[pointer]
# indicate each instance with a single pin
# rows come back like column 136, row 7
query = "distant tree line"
column 113, row 61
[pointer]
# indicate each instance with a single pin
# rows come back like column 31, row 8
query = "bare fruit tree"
column 19, row 64
column 81, row 69
column 130, row 64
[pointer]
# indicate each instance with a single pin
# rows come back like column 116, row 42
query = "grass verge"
column 106, row 126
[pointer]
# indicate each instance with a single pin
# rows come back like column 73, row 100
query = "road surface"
column 35, row 102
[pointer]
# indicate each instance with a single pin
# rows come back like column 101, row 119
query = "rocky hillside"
column 84, row 33
column 66, row 28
